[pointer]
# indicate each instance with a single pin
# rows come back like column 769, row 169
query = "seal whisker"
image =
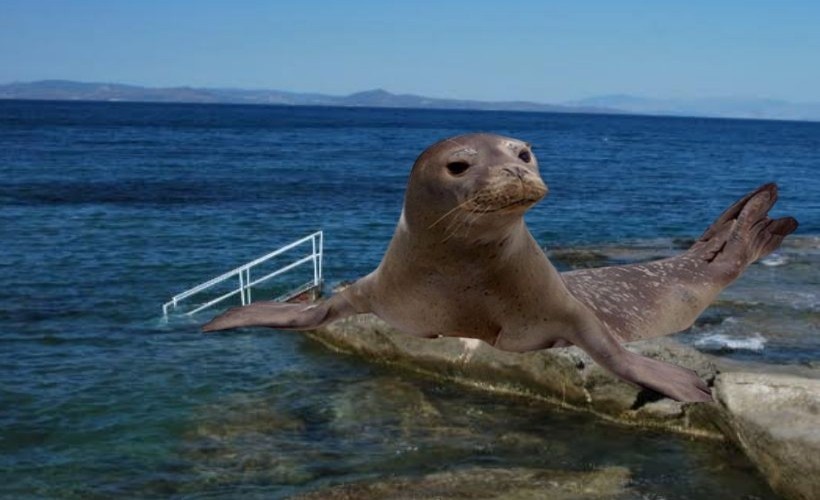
column 462, row 220
column 461, row 205
column 457, row 223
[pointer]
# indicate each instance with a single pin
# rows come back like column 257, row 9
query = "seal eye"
column 458, row 167
column 525, row 156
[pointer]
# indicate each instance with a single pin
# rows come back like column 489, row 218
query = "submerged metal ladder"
column 243, row 273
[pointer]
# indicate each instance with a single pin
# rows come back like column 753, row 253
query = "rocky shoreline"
column 772, row 413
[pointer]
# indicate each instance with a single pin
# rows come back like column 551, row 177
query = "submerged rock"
column 487, row 483
column 380, row 401
column 754, row 409
column 242, row 440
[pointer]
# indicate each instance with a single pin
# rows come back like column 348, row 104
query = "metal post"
column 315, row 262
column 248, row 281
column 321, row 254
column 242, row 289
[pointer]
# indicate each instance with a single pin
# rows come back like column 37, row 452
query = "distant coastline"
column 66, row 90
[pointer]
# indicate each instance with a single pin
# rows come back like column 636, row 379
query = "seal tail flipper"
column 282, row 315
column 678, row 383
column 744, row 232
column 772, row 234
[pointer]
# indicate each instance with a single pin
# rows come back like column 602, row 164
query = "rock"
column 244, row 439
column 381, row 401
column 771, row 412
column 775, row 419
column 567, row 377
column 487, row 483
column 526, row 442
column 579, row 258
column 683, row 243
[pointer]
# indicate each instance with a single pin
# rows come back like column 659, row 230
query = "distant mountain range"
column 79, row 91
column 720, row 107
column 613, row 104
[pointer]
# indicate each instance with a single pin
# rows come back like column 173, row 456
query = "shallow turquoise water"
column 106, row 210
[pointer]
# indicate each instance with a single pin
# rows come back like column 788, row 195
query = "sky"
column 544, row 51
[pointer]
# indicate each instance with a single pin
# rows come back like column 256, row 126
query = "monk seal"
column 463, row 263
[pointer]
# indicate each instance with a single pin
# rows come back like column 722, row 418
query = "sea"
column 109, row 209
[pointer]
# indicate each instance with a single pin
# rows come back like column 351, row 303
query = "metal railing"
column 243, row 273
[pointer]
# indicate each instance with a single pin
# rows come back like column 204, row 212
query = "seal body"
column 502, row 291
column 463, row 263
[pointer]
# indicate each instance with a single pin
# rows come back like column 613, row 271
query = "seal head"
column 471, row 185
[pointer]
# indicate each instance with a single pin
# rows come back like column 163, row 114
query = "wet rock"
column 488, row 483
column 244, row 440
column 567, row 377
column 747, row 406
column 236, row 422
column 382, row 401
column 682, row 243
column 578, row 258
column 775, row 419
column 524, row 441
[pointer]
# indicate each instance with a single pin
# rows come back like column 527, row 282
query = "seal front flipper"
column 284, row 316
column 678, row 383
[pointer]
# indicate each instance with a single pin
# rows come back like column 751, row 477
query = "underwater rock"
column 487, row 483
column 243, row 440
column 402, row 417
column 382, row 401
column 569, row 378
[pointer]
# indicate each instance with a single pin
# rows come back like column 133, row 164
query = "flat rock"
column 567, row 376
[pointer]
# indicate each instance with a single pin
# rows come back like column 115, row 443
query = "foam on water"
column 798, row 300
column 774, row 260
column 721, row 342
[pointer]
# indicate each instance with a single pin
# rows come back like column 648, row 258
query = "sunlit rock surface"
column 776, row 420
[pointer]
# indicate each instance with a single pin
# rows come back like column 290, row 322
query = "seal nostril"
column 458, row 167
column 515, row 172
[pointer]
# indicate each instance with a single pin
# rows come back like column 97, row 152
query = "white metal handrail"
column 243, row 272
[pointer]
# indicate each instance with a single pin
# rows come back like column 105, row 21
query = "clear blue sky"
column 534, row 50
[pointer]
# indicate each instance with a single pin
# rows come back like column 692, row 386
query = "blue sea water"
column 108, row 209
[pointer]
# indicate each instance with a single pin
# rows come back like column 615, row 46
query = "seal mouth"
column 509, row 197
column 524, row 202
